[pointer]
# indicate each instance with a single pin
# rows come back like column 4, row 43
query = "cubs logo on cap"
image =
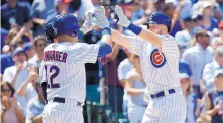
column 157, row 58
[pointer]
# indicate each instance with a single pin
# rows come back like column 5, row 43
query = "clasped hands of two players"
column 101, row 19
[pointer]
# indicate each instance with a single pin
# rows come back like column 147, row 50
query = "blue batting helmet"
column 67, row 24
column 160, row 18
column 49, row 28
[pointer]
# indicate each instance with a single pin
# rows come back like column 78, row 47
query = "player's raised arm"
column 145, row 34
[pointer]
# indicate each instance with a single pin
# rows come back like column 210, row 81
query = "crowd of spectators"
column 197, row 26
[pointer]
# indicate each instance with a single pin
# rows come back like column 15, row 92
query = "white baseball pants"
column 167, row 109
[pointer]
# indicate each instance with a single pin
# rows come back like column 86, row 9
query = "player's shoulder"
column 11, row 68
column 48, row 47
column 167, row 38
column 189, row 51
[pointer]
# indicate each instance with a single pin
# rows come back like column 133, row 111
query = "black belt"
column 62, row 100
column 162, row 93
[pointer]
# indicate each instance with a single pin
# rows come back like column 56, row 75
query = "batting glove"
column 101, row 19
column 87, row 26
column 123, row 20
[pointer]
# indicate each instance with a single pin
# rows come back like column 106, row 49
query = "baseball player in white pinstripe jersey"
column 159, row 56
column 64, row 74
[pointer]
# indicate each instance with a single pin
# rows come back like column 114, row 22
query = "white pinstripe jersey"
column 64, row 71
column 160, row 69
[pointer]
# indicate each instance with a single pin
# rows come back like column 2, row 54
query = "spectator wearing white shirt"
column 184, row 37
column 124, row 67
column 198, row 56
column 210, row 68
column 11, row 111
column 40, row 43
column 16, row 75
column 135, row 87
column 35, row 106
column 214, row 98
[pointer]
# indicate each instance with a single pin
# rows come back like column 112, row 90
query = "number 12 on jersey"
column 53, row 71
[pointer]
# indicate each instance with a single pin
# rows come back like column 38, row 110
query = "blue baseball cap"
column 188, row 18
column 160, row 18
column 27, row 46
column 67, row 24
column 197, row 29
column 17, row 51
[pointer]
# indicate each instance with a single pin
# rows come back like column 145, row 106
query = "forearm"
column 37, row 119
column 38, row 20
column 22, row 89
column 19, row 35
column 212, row 112
column 118, row 38
column 197, row 111
column 3, row 117
column 19, row 115
column 134, row 91
column 115, row 51
column 175, row 17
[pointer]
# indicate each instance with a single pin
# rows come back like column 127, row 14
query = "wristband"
column 134, row 28
column 80, row 34
column 106, row 31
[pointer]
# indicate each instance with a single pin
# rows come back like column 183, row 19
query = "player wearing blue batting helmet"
column 67, row 25
column 160, row 18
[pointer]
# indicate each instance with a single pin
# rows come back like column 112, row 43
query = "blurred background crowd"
column 115, row 86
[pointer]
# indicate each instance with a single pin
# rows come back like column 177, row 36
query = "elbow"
column 19, row 92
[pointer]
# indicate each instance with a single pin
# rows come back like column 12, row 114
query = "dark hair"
column 9, row 85
column 201, row 33
column 38, row 38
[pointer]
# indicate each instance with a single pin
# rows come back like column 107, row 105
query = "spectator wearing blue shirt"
column 35, row 106
column 193, row 103
column 184, row 66
column 14, row 13
column 209, row 21
column 198, row 56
